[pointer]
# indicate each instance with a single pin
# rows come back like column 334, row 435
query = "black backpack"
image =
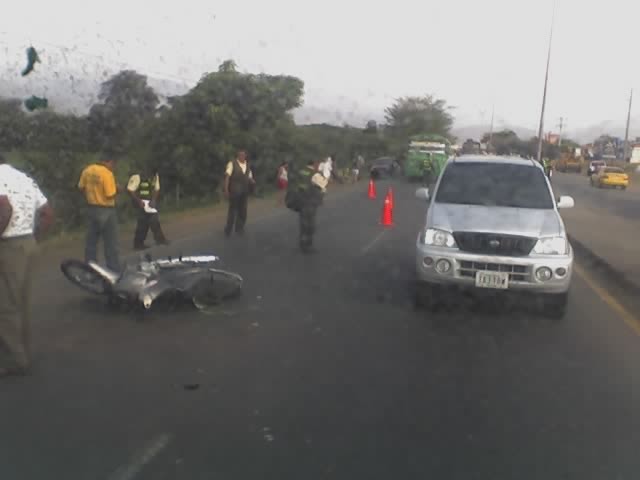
column 293, row 197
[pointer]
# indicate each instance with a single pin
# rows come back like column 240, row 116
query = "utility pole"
column 544, row 94
column 626, row 133
column 560, row 125
column 491, row 127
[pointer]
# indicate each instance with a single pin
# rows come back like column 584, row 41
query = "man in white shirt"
column 238, row 182
column 325, row 167
column 24, row 216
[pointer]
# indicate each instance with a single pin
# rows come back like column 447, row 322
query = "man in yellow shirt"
column 238, row 182
column 98, row 185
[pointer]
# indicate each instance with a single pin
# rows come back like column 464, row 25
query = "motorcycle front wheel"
column 85, row 277
column 213, row 290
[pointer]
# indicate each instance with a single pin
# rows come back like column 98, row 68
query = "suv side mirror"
column 566, row 201
column 422, row 193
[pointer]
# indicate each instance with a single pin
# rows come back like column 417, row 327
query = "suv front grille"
column 494, row 244
column 517, row 273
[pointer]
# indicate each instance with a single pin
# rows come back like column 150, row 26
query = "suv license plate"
column 498, row 280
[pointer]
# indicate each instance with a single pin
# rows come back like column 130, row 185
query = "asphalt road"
column 324, row 370
column 614, row 201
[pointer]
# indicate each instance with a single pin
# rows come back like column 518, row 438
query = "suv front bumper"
column 521, row 270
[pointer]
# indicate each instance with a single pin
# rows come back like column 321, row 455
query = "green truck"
column 426, row 157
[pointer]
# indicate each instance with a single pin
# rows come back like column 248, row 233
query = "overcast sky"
column 471, row 53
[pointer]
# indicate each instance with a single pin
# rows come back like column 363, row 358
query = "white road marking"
column 129, row 470
column 371, row 244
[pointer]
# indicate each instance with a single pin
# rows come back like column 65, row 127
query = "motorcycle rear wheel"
column 217, row 288
column 81, row 274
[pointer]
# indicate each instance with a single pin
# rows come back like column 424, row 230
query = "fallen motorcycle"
column 143, row 283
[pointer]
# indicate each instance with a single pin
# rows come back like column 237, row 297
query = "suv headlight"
column 437, row 238
column 552, row 246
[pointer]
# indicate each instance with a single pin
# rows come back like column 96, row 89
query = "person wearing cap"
column 25, row 215
column 98, row 184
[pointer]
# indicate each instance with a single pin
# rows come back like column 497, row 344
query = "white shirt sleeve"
column 39, row 199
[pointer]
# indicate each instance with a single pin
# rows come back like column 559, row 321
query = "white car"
column 594, row 166
column 493, row 223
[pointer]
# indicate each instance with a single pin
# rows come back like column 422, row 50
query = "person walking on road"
column 283, row 180
column 25, row 216
column 98, row 184
column 311, row 185
column 358, row 165
column 144, row 189
column 326, row 167
column 238, row 182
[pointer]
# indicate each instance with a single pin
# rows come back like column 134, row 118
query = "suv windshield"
column 494, row 184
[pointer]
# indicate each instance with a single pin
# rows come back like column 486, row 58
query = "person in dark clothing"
column 238, row 182
column 311, row 185
column 144, row 190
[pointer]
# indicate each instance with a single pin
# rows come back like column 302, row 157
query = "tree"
column 549, row 150
column 228, row 66
column 372, row 127
column 505, row 142
column 12, row 124
column 413, row 115
column 199, row 132
column 126, row 101
column 568, row 145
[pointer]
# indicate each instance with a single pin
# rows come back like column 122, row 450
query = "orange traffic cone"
column 387, row 213
column 390, row 196
column 372, row 189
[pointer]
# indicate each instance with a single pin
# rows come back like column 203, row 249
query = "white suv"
column 493, row 223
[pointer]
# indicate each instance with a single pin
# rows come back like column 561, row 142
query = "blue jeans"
column 102, row 222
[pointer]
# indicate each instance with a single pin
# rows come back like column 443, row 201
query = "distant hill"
column 310, row 114
column 476, row 132
column 615, row 129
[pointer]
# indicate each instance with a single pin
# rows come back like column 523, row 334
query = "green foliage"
column 414, row 115
column 57, row 174
column 410, row 116
column 569, row 145
column 13, row 128
column 126, row 102
column 505, row 142
column 190, row 139
column 194, row 138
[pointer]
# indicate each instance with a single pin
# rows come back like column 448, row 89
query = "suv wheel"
column 555, row 306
